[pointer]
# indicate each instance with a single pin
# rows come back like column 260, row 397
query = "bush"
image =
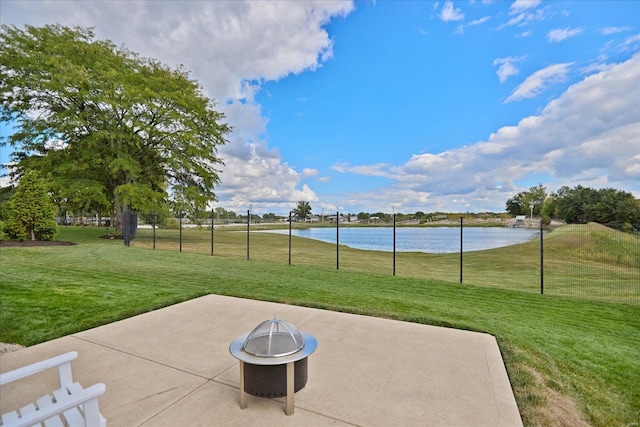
column 32, row 214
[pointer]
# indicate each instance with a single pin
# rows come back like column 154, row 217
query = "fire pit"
column 273, row 361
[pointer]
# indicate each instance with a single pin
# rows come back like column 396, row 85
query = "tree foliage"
column 528, row 202
column 106, row 127
column 579, row 205
column 605, row 206
column 5, row 201
column 222, row 213
column 303, row 210
column 32, row 214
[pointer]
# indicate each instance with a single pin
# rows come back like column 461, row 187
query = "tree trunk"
column 119, row 217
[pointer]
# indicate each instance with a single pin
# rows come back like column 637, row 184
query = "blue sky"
column 405, row 106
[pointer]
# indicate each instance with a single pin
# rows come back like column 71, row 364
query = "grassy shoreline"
column 586, row 352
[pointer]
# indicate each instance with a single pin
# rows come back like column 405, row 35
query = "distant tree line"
column 580, row 204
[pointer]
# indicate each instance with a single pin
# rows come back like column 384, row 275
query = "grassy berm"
column 570, row 361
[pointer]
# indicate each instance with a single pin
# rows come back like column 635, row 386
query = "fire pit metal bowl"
column 273, row 361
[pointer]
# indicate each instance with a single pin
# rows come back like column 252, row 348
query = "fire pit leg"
column 243, row 394
column 290, row 389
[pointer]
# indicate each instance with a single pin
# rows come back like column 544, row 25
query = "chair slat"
column 73, row 416
column 43, row 403
column 10, row 418
column 27, row 410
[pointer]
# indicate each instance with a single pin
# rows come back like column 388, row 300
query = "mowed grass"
column 585, row 352
column 589, row 261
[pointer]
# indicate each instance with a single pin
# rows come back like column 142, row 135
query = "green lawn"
column 587, row 261
column 582, row 350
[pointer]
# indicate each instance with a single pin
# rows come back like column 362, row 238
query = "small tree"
column 32, row 213
column 303, row 210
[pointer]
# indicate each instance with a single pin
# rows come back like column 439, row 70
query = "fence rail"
column 588, row 261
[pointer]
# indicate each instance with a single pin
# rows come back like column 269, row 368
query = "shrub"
column 32, row 213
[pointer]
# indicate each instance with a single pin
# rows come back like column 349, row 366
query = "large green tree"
column 102, row 123
column 32, row 214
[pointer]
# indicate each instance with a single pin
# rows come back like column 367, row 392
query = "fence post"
column 461, row 247
column 213, row 218
column 541, row 259
column 289, row 237
column 248, row 224
column 154, row 229
column 394, row 243
column 180, row 216
column 337, row 240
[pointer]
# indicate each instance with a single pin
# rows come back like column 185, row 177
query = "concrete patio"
column 172, row 367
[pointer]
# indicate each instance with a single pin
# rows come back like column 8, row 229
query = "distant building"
column 312, row 218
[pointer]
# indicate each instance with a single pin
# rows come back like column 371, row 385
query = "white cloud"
column 222, row 43
column 523, row 13
column 479, row 21
column 593, row 68
column 589, row 135
column 633, row 169
column 521, row 5
column 558, row 35
column 450, row 13
column 253, row 173
column 306, row 172
column 631, row 43
column 461, row 27
column 261, row 178
column 614, row 30
column 507, row 67
column 341, row 167
column 539, row 81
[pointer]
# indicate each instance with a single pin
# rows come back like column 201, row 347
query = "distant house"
column 521, row 218
column 331, row 218
column 312, row 218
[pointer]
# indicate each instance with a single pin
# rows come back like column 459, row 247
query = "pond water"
column 419, row 239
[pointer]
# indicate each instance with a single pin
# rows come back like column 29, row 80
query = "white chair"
column 70, row 405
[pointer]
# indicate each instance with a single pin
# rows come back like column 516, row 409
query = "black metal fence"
column 588, row 261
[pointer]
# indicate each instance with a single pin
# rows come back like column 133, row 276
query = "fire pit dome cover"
column 273, row 338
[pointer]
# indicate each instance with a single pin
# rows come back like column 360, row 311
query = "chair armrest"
column 58, row 408
column 37, row 367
